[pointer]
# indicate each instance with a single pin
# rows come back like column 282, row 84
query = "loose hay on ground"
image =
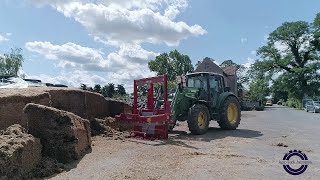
column 107, row 127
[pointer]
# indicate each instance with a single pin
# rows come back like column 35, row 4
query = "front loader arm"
column 180, row 105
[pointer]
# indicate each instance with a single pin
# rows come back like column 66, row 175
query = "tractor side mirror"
column 227, row 89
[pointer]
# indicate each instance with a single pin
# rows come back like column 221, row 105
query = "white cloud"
column 304, row 42
column 3, row 39
column 129, row 22
column 8, row 34
column 71, row 79
column 128, row 63
column 124, row 24
column 249, row 62
column 175, row 7
column 72, row 55
column 281, row 47
column 76, row 78
column 243, row 40
column 276, row 75
column 254, row 53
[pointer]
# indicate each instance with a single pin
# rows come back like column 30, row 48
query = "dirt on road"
column 251, row 152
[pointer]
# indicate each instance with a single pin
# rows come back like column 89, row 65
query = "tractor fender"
column 223, row 96
column 202, row 102
column 206, row 104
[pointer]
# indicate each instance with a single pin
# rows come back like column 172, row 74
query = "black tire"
column 195, row 125
column 231, row 121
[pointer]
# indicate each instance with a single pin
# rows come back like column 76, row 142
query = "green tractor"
column 204, row 97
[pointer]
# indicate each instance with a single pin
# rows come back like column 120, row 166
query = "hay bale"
column 19, row 152
column 11, row 107
column 96, row 106
column 69, row 100
column 85, row 104
column 64, row 135
column 118, row 107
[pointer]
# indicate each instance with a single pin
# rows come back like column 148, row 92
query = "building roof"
column 211, row 73
column 230, row 70
column 208, row 65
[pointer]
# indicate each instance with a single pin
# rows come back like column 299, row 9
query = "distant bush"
column 294, row 103
column 260, row 108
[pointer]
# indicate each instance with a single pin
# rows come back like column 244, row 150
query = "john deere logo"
column 295, row 162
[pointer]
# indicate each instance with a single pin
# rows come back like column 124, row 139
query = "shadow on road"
column 216, row 133
column 179, row 138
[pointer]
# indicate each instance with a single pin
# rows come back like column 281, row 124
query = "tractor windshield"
column 197, row 82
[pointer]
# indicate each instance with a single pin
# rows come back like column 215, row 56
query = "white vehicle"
column 313, row 106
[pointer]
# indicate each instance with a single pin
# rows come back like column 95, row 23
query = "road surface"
column 251, row 152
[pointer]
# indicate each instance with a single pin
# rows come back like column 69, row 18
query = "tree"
column 259, row 89
column 90, row 89
column 11, row 63
column 110, row 90
column 97, row 88
column 174, row 64
column 279, row 89
column 83, row 87
column 121, row 90
column 104, row 91
column 293, row 50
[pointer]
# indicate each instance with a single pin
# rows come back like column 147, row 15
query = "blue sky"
column 69, row 42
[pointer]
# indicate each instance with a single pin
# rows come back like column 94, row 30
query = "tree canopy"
column 83, row 87
column 174, row 64
column 97, row 88
column 292, row 53
column 259, row 88
column 121, row 90
column 10, row 63
column 108, row 90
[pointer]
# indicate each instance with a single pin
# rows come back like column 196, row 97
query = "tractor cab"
column 207, row 85
column 207, row 81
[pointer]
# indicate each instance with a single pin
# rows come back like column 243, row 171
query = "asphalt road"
column 251, row 152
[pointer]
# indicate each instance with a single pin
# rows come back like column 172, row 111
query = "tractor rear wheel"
column 198, row 119
column 230, row 114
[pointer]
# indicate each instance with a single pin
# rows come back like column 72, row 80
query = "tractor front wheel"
column 230, row 114
column 198, row 119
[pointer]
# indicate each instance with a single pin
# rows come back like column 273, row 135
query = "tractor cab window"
column 214, row 85
column 197, row 82
column 220, row 83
